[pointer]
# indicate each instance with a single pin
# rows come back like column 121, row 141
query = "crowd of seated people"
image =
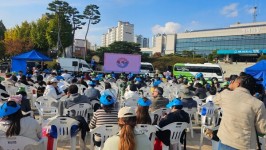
column 111, row 111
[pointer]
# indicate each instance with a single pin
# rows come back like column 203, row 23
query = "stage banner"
column 122, row 62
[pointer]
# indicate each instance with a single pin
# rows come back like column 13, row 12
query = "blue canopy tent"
column 258, row 71
column 19, row 62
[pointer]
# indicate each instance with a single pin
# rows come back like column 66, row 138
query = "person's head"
column 11, row 112
column 132, row 87
column 39, row 78
column 107, row 102
column 107, row 85
column 23, row 78
column 8, row 75
column 185, row 92
column 54, row 82
column 20, row 73
column 175, row 104
column 53, row 74
column 143, row 116
column 127, row 123
column 212, row 90
column 246, row 81
column 73, row 89
column 65, row 71
column 158, row 91
column 74, row 81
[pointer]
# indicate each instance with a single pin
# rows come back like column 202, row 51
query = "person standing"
column 244, row 116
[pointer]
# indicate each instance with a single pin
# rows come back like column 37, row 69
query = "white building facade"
column 123, row 32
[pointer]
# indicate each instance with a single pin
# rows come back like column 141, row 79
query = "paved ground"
column 234, row 68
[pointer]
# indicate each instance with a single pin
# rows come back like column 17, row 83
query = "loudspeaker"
column 74, row 63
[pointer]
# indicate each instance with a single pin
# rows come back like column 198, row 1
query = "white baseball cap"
column 126, row 112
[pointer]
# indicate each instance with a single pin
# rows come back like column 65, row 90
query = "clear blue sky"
column 148, row 16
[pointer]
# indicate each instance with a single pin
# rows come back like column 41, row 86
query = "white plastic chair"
column 262, row 142
column 43, row 105
column 159, row 113
column 148, row 130
column 81, row 109
column 105, row 131
column 93, row 103
column 209, row 120
column 82, row 88
column 176, row 129
column 20, row 142
column 191, row 111
column 63, row 128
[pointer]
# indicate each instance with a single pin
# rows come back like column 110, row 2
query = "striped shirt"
column 101, row 117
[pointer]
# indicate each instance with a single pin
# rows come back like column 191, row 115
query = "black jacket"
column 177, row 116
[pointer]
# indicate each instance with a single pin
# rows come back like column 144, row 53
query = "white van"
column 74, row 64
column 147, row 68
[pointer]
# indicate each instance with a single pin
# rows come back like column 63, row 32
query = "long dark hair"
column 143, row 116
column 14, row 127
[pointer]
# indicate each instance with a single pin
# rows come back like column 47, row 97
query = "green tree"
column 124, row 47
column 60, row 11
column 76, row 21
column 2, row 30
column 38, row 34
column 91, row 13
column 65, row 36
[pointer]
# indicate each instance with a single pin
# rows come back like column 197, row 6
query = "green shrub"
column 162, row 63
column 51, row 64
column 262, row 57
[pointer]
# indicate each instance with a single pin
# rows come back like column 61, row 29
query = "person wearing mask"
column 158, row 101
column 21, row 97
column 9, row 80
column 244, row 116
column 143, row 116
column 176, row 115
column 52, row 89
column 13, row 122
column 127, row 138
column 106, row 115
column 91, row 92
column 81, row 81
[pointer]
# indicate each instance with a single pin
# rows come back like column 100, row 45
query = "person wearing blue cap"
column 176, row 115
column 143, row 116
column 91, row 92
column 13, row 122
column 106, row 115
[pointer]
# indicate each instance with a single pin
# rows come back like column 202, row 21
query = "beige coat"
column 241, row 113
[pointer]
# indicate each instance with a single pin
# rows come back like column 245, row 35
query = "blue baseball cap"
column 198, row 75
column 157, row 82
column 174, row 102
column 106, row 100
column 91, row 83
column 6, row 110
column 143, row 103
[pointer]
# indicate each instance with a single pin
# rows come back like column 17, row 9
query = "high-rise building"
column 144, row 42
column 123, row 32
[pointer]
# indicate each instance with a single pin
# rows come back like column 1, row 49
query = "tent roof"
column 32, row 55
column 259, row 66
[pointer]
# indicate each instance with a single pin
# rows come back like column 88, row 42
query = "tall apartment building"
column 144, row 42
column 123, row 32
